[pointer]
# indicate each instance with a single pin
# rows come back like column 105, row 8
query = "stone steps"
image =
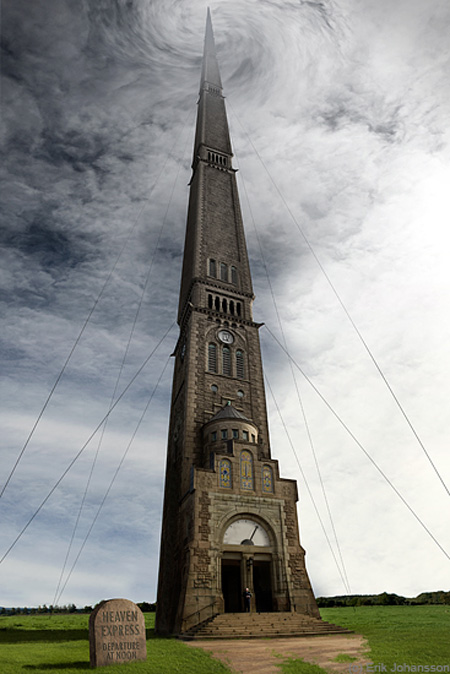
column 262, row 625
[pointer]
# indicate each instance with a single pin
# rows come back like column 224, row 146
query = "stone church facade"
column 229, row 520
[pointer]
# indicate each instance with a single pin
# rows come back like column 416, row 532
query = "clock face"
column 226, row 337
column 246, row 532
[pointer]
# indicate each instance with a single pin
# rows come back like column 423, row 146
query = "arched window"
column 232, row 307
column 267, row 480
column 224, row 306
column 240, row 371
column 226, row 360
column 246, row 470
column 223, row 272
column 212, row 268
column 225, row 473
column 234, row 275
column 212, row 357
column 238, row 308
column 210, row 302
column 217, row 304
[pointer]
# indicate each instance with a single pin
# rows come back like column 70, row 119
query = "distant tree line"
column 145, row 607
column 384, row 599
column 24, row 610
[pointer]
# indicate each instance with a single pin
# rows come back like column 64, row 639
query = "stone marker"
column 116, row 633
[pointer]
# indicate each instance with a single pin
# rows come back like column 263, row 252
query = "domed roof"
column 229, row 412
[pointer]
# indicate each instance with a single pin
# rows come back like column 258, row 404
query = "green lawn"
column 397, row 635
column 411, row 635
column 402, row 635
column 60, row 644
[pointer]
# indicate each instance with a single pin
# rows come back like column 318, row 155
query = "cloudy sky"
column 339, row 113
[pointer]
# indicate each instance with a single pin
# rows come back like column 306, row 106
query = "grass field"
column 60, row 644
column 398, row 635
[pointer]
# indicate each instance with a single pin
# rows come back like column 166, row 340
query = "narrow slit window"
column 217, row 304
column 210, row 302
column 223, row 272
column 212, row 357
column 232, row 307
column 224, row 306
column 234, row 275
column 240, row 372
column 212, row 268
column 238, row 308
column 226, row 360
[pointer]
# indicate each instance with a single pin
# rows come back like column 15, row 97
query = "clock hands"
column 254, row 532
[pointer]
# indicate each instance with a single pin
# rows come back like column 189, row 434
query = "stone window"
column 235, row 434
column 240, row 395
column 223, row 272
column 214, row 156
column 225, row 473
column 212, row 357
column 212, row 268
column 267, row 480
column 246, row 463
column 240, row 364
column 245, row 435
column 238, row 308
column 214, row 388
column 234, row 275
column 226, row 360
column 253, row 438
column 224, row 434
column 213, row 436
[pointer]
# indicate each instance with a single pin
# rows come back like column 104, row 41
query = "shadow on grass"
column 15, row 636
column 62, row 665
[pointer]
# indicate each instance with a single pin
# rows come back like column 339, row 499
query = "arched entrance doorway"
column 247, row 562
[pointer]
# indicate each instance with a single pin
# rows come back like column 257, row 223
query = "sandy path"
column 263, row 655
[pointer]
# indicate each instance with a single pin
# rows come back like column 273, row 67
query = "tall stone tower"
column 229, row 520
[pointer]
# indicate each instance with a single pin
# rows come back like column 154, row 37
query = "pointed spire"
column 210, row 67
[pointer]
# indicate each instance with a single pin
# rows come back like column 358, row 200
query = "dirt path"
column 264, row 656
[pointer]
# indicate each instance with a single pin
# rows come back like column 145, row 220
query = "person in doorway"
column 247, row 596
